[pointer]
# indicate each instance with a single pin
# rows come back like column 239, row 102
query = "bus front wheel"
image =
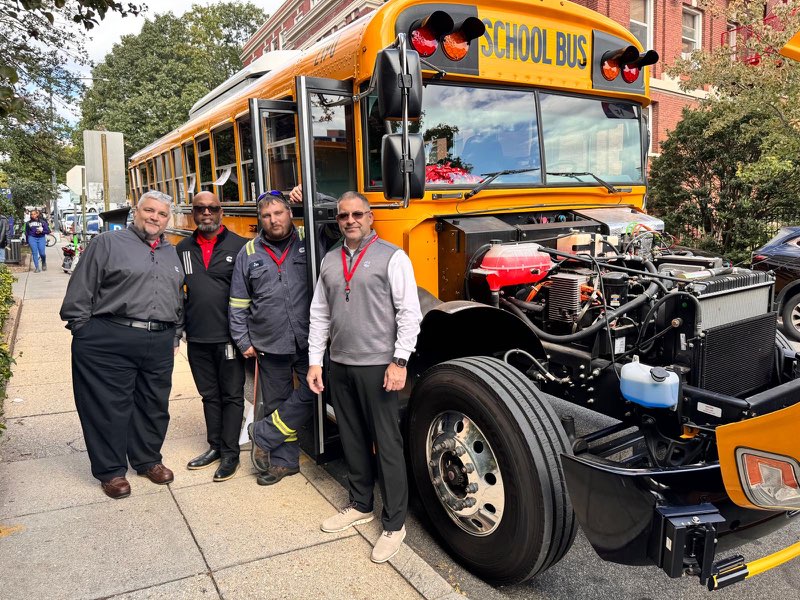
column 484, row 447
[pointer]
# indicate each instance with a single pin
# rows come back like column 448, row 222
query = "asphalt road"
column 583, row 575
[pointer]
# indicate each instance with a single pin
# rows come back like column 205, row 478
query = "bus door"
column 322, row 142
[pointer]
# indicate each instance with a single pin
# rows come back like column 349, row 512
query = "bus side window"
column 180, row 190
column 225, row 159
column 206, row 172
column 281, row 146
column 334, row 155
column 191, row 175
column 246, row 158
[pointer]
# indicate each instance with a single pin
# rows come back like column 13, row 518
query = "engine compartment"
column 604, row 289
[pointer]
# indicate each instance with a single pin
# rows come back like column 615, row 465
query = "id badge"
column 230, row 351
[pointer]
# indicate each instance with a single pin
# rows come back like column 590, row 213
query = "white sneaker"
column 345, row 518
column 388, row 545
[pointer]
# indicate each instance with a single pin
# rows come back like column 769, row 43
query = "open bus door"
column 276, row 138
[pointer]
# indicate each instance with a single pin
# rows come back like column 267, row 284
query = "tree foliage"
column 148, row 82
column 38, row 36
column 731, row 168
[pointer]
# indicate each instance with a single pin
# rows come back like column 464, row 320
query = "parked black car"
column 782, row 255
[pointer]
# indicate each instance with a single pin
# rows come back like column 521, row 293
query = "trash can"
column 13, row 250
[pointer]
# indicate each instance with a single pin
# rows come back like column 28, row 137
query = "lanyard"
column 348, row 274
column 279, row 261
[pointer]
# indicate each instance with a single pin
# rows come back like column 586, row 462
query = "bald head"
column 207, row 213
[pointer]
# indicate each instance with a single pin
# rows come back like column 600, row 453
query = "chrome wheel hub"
column 464, row 472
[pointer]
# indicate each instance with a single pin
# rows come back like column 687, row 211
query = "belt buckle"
column 149, row 326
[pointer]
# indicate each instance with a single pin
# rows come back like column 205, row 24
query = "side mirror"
column 395, row 167
column 390, row 80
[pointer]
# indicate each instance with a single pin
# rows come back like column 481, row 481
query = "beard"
column 207, row 227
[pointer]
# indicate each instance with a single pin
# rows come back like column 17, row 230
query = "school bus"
column 502, row 144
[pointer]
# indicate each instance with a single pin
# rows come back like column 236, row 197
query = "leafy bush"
column 6, row 360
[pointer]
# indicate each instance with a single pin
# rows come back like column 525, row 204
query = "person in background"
column 124, row 307
column 217, row 365
column 366, row 303
column 36, row 231
column 3, row 238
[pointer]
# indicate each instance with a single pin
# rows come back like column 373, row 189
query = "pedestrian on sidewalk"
column 3, row 238
column 366, row 303
column 124, row 306
column 217, row 365
column 269, row 320
column 36, row 230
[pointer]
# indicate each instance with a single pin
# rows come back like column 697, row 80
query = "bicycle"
column 50, row 240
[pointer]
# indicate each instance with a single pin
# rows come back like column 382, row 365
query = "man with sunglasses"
column 217, row 366
column 268, row 316
column 366, row 303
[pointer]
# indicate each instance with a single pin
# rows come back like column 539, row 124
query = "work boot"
column 349, row 516
column 259, row 457
column 388, row 545
column 275, row 474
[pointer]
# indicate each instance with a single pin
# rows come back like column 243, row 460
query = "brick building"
column 671, row 27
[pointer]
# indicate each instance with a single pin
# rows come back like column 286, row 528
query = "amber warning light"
column 439, row 29
column 626, row 61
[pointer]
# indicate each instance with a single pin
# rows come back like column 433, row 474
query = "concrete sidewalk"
column 61, row 537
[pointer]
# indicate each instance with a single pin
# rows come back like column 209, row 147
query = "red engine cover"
column 514, row 264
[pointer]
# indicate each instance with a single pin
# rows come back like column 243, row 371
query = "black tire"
column 525, row 437
column 791, row 317
column 50, row 240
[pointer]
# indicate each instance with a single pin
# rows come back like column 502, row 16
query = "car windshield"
column 471, row 133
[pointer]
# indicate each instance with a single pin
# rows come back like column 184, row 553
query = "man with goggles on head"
column 217, row 366
column 268, row 315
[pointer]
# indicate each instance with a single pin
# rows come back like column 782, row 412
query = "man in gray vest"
column 366, row 303
column 268, row 319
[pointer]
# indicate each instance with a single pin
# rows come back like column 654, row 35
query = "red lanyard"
column 279, row 261
column 348, row 274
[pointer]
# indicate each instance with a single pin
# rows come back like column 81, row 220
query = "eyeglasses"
column 275, row 193
column 199, row 210
column 356, row 214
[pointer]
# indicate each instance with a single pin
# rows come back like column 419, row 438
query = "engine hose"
column 470, row 264
column 610, row 267
column 535, row 362
column 513, row 305
column 698, row 321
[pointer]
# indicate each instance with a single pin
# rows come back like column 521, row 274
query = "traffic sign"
column 75, row 179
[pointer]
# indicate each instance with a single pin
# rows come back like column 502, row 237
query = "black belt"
column 149, row 325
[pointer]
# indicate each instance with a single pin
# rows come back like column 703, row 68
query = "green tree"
column 38, row 36
column 731, row 167
column 148, row 82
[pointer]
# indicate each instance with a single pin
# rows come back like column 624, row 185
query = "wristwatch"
column 400, row 362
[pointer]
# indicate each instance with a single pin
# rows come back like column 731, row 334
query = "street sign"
column 104, row 154
column 75, row 179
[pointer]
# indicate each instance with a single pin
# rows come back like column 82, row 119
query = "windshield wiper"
column 575, row 175
column 490, row 177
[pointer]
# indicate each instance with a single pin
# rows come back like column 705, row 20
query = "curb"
column 418, row 573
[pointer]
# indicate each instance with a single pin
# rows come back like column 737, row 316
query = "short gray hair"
column 155, row 195
column 353, row 196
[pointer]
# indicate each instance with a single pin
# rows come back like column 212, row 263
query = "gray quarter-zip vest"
column 363, row 330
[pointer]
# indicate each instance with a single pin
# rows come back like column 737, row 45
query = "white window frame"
column 698, row 41
column 648, row 11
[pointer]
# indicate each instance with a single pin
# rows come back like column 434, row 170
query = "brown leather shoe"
column 275, row 474
column 116, row 488
column 159, row 474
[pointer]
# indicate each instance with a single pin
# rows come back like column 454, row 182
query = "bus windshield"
column 471, row 133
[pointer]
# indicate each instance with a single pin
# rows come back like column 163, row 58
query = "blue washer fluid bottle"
column 653, row 387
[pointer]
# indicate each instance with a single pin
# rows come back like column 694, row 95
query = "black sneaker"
column 259, row 457
column 227, row 468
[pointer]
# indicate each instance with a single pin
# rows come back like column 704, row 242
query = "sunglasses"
column 356, row 214
column 275, row 193
column 199, row 210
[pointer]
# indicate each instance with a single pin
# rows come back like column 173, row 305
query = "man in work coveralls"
column 124, row 306
column 217, row 366
column 268, row 316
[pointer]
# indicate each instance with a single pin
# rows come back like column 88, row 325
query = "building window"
column 691, row 35
column 641, row 24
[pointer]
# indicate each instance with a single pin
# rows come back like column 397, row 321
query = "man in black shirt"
column 217, row 365
column 124, row 306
